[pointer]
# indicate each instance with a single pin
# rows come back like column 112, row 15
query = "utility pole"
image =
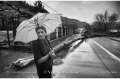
column 67, row 28
column 3, row 23
column 8, row 35
column 14, row 27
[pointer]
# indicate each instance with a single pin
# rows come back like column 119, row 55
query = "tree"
column 39, row 7
column 105, row 21
column 95, row 27
column 87, row 27
column 116, row 26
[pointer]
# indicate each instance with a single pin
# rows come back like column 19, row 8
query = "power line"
column 51, row 8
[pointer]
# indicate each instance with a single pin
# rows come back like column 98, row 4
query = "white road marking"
column 112, row 55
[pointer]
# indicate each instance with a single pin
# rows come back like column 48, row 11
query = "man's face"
column 41, row 33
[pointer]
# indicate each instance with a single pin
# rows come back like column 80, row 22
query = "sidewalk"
column 81, row 63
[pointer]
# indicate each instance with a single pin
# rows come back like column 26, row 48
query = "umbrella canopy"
column 26, row 30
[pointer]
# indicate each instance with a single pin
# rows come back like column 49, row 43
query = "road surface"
column 109, row 52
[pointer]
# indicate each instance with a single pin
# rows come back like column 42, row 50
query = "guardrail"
column 59, row 40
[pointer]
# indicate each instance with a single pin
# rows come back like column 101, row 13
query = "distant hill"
column 72, row 22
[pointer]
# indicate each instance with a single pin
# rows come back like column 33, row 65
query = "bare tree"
column 105, row 21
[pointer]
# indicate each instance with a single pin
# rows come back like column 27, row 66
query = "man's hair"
column 40, row 27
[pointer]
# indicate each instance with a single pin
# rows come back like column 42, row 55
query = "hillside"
column 72, row 22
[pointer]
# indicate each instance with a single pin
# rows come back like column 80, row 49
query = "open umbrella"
column 26, row 30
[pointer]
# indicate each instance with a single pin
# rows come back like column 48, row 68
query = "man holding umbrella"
column 34, row 30
column 42, row 53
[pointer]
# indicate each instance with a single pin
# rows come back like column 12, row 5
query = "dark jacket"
column 40, row 48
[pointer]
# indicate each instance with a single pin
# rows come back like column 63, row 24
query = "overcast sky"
column 81, row 10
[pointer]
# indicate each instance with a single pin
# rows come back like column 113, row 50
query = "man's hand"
column 52, row 54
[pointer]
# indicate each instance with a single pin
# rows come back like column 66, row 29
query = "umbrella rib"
column 34, row 27
column 20, row 30
column 37, row 18
column 31, row 28
column 26, row 36
column 40, row 21
column 43, row 17
column 31, row 22
column 45, row 25
column 49, row 28
column 51, row 19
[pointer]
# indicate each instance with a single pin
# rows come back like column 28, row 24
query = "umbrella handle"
column 48, row 44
